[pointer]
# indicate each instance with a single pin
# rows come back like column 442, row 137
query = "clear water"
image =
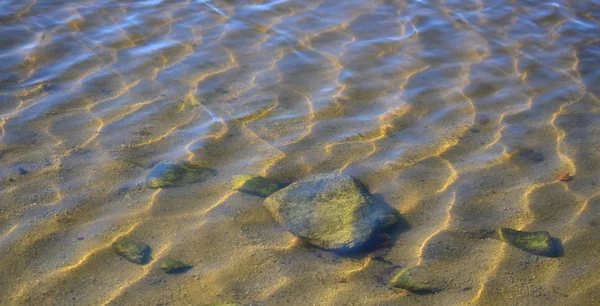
column 426, row 102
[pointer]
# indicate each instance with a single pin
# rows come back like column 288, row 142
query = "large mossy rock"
column 539, row 243
column 333, row 212
column 174, row 175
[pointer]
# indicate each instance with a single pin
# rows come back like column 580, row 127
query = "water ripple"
column 424, row 101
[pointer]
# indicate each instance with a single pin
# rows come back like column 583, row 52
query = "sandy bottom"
column 430, row 104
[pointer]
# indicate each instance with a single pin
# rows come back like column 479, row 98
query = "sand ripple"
column 95, row 93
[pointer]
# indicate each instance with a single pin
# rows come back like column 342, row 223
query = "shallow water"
column 426, row 102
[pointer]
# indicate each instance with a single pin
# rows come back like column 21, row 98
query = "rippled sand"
column 421, row 100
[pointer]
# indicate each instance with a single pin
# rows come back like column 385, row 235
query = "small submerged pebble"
column 259, row 186
column 132, row 250
column 171, row 266
column 483, row 119
column 177, row 174
column 539, row 243
column 526, row 154
column 565, row 177
column 414, row 280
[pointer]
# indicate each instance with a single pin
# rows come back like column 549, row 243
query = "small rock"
column 565, row 177
column 333, row 212
column 175, row 175
column 526, row 153
column 413, row 280
column 171, row 266
column 129, row 163
column 539, row 243
column 132, row 250
column 479, row 89
column 259, row 186
column 483, row 119
column 22, row 171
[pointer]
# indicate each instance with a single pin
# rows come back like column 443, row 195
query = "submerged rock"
column 565, row 177
column 132, row 250
column 333, row 212
column 175, row 175
column 483, row 119
column 171, row 266
column 413, row 279
column 539, row 243
column 259, row 186
column 526, row 154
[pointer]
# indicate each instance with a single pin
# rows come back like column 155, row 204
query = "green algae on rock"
column 259, row 186
column 539, row 243
column 171, row 266
column 174, row 175
column 411, row 279
column 333, row 212
column 132, row 250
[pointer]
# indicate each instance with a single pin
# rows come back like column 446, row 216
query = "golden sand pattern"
column 95, row 93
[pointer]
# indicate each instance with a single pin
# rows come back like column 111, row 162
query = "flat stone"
column 414, row 279
column 172, row 266
column 539, row 243
column 525, row 154
column 132, row 250
column 259, row 186
column 333, row 212
column 175, row 175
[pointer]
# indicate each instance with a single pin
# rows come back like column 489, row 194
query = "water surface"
column 423, row 101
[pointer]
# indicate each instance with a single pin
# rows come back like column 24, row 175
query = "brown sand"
column 94, row 93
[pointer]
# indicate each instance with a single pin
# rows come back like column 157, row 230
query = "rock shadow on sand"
column 384, row 237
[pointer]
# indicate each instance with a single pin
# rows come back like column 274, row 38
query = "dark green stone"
column 175, row 175
column 174, row 266
column 410, row 279
column 539, row 243
column 132, row 250
column 260, row 186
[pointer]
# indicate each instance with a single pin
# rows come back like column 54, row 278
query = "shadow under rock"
column 384, row 237
column 557, row 249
